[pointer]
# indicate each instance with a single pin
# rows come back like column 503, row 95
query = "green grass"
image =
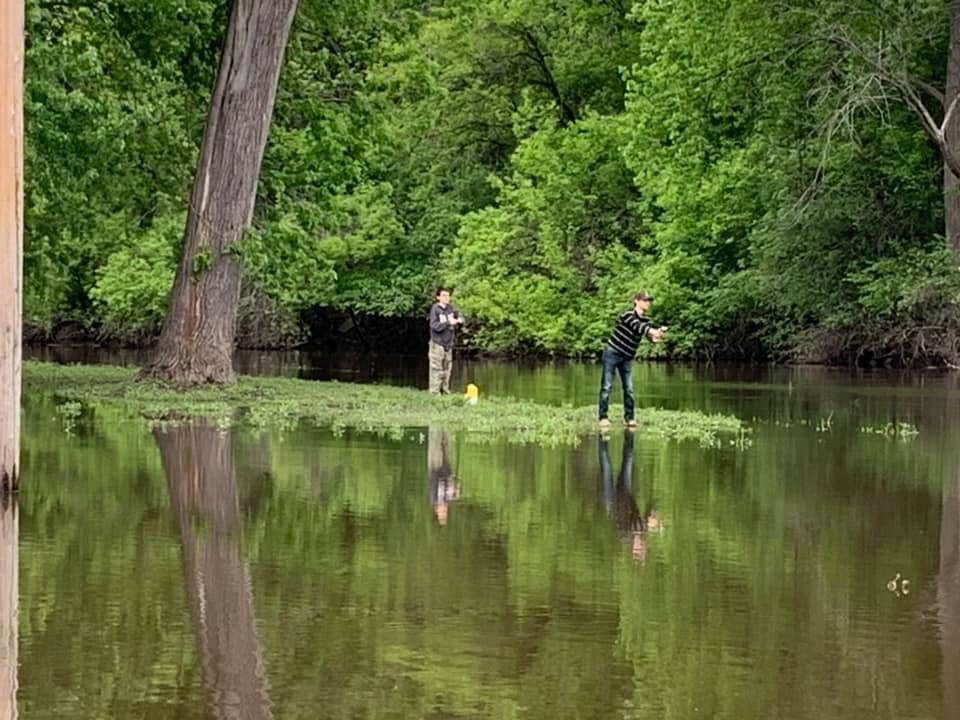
column 272, row 402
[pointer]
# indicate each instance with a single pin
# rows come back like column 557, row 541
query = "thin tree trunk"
column 11, row 236
column 198, row 462
column 9, row 572
column 951, row 134
column 196, row 343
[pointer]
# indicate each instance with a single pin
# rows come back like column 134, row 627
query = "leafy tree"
column 777, row 174
column 547, row 267
column 111, row 95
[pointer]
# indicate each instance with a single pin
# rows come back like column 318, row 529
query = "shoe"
column 630, row 423
column 604, row 424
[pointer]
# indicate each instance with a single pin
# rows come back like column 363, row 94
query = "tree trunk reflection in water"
column 9, row 569
column 198, row 463
column 949, row 598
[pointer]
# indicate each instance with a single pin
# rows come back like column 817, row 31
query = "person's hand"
column 656, row 335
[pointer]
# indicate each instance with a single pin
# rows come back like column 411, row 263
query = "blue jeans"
column 623, row 485
column 614, row 361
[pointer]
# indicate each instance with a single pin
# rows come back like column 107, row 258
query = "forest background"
column 764, row 168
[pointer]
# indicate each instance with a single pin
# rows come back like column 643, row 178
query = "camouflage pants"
column 441, row 363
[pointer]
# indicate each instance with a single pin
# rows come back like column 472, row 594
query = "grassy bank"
column 285, row 402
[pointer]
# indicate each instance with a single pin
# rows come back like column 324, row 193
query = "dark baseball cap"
column 643, row 295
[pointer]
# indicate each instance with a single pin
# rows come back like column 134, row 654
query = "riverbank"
column 277, row 402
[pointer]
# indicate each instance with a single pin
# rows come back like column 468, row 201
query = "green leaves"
column 547, row 160
column 132, row 286
column 111, row 116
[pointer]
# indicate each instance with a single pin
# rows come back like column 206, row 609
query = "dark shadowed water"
column 199, row 573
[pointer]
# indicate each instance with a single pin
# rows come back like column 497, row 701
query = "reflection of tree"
column 949, row 598
column 9, row 567
column 444, row 487
column 198, row 463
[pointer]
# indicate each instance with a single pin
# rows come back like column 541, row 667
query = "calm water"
column 195, row 573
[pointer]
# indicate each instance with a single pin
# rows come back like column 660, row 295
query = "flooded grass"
column 271, row 402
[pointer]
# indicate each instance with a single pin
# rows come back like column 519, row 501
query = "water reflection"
column 199, row 467
column 618, row 499
column 948, row 590
column 444, row 485
column 766, row 597
column 9, row 588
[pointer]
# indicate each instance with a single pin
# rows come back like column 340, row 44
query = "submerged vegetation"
column 270, row 402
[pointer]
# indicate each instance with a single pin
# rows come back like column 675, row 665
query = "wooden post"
column 11, row 236
column 9, row 571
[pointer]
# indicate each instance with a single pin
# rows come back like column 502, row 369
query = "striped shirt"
column 630, row 330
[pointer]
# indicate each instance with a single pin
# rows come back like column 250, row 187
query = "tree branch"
column 567, row 113
column 930, row 90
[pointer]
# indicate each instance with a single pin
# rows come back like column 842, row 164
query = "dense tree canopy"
column 758, row 166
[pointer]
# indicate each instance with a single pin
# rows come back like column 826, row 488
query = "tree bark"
column 196, row 343
column 951, row 132
column 198, row 462
column 11, row 236
column 9, row 573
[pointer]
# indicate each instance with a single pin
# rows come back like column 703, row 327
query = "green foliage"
column 761, row 221
column 113, row 99
column 285, row 402
column 547, row 161
column 898, row 288
column 202, row 262
column 327, row 228
column 549, row 267
column 132, row 287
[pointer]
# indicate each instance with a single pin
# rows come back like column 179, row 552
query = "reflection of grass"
column 902, row 430
column 284, row 402
column 69, row 412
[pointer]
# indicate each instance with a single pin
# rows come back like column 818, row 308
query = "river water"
column 812, row 572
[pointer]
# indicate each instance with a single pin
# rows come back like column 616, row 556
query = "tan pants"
column 441, row 363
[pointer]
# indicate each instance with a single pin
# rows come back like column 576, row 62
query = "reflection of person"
column 444, row 319
column 443, row 486
column 632, row 326
column 619, row 502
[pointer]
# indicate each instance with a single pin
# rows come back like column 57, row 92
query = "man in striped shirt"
column 631, row 328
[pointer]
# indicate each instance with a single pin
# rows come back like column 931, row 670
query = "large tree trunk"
column 11, row 236
column 196, row 343
column 951, row 132
column 9, row 572
column 198, row 462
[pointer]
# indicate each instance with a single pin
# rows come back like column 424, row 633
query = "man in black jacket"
column 444, row 319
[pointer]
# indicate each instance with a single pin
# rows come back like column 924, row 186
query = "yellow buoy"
column 472, row 394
